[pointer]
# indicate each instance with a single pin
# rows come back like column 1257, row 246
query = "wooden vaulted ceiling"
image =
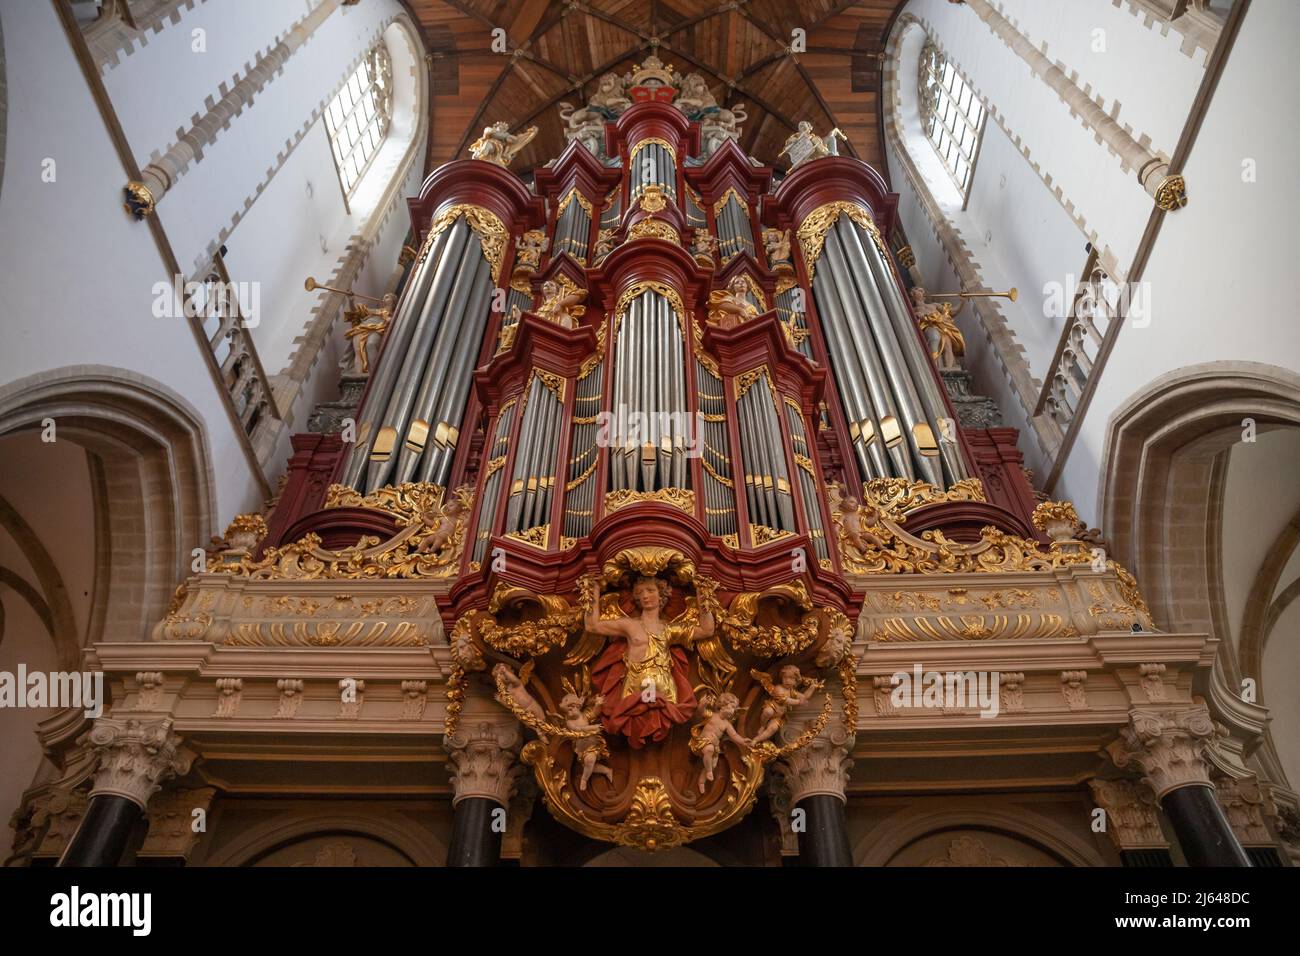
column 557, row 51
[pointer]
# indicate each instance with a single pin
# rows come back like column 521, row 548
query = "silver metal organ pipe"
column 775, row 452
column 849, row 377
column 900, row 314
column 408, row 327
column 434, row 376
column 617, row 447
column 881, row 385
column 453, row 272
column 632, row 392
column 683, row 427
column 901, row 377
column 523, row 456
column 440, row 448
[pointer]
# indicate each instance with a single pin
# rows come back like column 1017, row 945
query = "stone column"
column 1166, row 188
column 483, row 763
column 135, row 757
column 160, row 175
column 812, row 780
column 1167, row 747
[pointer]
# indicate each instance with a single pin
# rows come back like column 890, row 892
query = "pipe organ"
column 651, row 444
column 646, row 401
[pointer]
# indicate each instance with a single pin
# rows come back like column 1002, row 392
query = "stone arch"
column 412, row 842
column 906, row 827
column 155, row 493
column 1164, row 469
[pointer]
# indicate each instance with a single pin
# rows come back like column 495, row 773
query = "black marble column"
column 105, row 830
column 825, row 840
column 1202, row 829
column 474, row 840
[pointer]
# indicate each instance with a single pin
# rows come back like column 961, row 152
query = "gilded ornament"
column 139, row 200
column 812, row 231
column 682, row 498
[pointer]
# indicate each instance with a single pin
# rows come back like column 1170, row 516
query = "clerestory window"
column 952, row 115
column 358, row 118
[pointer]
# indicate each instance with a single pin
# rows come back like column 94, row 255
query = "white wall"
column 1218, row 274
column 77, row 271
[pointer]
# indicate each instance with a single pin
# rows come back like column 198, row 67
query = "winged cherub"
column 578, row 712
column 511, row 685
column 707, row 734
column 781, row 697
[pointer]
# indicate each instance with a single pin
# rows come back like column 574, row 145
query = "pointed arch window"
column 952, row 115
column 358, row 118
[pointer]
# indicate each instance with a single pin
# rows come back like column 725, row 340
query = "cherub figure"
column 511, row 685
column 579, row 712
column 705, row 247
column 856, row 519
column 707, row 733
column 498, row 145
column 729, row 308
column 443, row 525
column 776, row 243
column 781, row 698
column 560, row 305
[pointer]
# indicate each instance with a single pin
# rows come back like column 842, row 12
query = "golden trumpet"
column 311, row 285
column 1009, row 294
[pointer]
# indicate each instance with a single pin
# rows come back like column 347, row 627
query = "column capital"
column 821, row 767
column 1167, row 747
column 135, row 757
column 483, row 759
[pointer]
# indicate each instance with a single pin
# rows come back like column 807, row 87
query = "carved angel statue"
column 508, row 328
column 512, row 687
column 578, row 709
column 855, row 519
column 707, row 733
column 498, row 145
column 643, row 673
column 705, row 247
column 804, row 144
column 441, row 543
column 529, row 249
column 941, row 333
column 365, row 322
column 560, row 305
column 776, row 243
column 729, row 307
column 781, row 697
